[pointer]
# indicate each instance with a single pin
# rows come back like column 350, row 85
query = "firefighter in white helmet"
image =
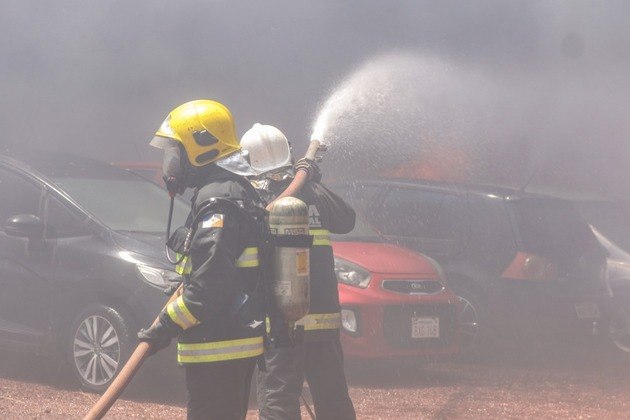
column 318, row 357
column 218, row 342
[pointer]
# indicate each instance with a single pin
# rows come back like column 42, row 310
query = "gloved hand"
column 171, row 288
column 158, row 335
column 312, row 169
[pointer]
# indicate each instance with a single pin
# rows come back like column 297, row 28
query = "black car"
column 521, row 263
column 82, row 260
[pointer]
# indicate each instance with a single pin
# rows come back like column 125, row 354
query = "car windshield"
column 552, row 227
column 362, row 232
column 612, row 220
column 124, row 201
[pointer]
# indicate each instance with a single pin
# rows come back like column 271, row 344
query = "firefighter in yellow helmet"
column 218, row 317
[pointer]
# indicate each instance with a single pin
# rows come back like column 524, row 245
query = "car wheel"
column 619, row 328
column 469, row 319
column 98, row 346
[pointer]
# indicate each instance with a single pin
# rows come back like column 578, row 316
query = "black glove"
column 171, row 288
column 312, row 169
column 158, row 335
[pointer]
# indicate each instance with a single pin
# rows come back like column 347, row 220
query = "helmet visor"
column 164, row 143
column 172, row 164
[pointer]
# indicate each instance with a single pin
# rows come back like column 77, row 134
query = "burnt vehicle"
column 610, row 223
column 523, row 265
column 82, row 261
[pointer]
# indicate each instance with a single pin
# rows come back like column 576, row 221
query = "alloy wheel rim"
column 96, row 350
column 469, row 322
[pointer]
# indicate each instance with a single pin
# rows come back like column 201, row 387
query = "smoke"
column 398, row 107
column 419, row 115
column 97, row 78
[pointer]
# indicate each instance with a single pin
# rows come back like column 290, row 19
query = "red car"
column 394, row 301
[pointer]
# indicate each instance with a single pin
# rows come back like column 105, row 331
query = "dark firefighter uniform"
column 216, row 347
column 318, row 358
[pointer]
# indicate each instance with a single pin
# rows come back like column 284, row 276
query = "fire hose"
column 143, row 350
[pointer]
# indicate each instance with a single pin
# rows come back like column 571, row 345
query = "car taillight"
column 526, row 266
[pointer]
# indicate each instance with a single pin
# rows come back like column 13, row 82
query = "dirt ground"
column 586, row 387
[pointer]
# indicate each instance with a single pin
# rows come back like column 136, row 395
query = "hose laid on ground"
column 143, row 350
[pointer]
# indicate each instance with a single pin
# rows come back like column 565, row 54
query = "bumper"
column 384, row 325
column 556, row 312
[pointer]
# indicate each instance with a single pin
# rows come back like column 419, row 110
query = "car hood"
column 384, row 258
column 145, row 244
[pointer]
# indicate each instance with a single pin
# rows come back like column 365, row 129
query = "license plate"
column 425, row 327
column 587, row 310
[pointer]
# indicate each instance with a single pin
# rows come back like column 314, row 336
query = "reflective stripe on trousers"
column 179, row 314
column 321, row 321
column 321, row 237
column 219, row 350
column 248, row 259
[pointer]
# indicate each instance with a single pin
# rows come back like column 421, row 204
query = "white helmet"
column 268, row 148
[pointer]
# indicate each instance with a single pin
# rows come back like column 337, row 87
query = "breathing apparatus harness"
column 176, row 184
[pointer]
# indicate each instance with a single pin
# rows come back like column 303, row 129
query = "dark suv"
column 82, row 261
column 519, row 262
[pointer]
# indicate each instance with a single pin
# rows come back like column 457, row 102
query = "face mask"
column 172, row 171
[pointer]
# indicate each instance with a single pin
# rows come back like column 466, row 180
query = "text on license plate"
column 588, row 310
column 425, row 327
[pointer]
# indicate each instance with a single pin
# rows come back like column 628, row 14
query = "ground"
column 589, row 387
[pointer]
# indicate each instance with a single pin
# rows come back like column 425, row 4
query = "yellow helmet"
column 204, row 128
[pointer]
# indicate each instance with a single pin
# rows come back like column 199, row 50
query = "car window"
column 491, row 240
column 125, row 202
column 552, row 227
column 362, row 232
column 412, row 212
column 359, row 196
column 19, row 196
column 61, row 222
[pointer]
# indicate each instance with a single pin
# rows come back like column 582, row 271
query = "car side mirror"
column 24, row 226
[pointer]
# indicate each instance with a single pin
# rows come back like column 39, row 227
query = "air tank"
column 291, row 284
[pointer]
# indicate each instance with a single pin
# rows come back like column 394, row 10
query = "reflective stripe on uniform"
column 180, row 314
column 249, row 258
column 321, row 237
column 219, row 350
column 184, row 266
column 321, row 321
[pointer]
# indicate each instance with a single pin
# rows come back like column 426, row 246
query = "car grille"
column 397, row 325
column 413, row 287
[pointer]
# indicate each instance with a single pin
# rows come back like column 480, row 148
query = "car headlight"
column 352, row 274
column 158, row 277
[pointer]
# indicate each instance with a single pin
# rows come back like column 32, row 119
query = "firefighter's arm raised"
column 342, row 216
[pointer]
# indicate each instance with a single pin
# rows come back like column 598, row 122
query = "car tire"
column 98, row 345
column 470, row 320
